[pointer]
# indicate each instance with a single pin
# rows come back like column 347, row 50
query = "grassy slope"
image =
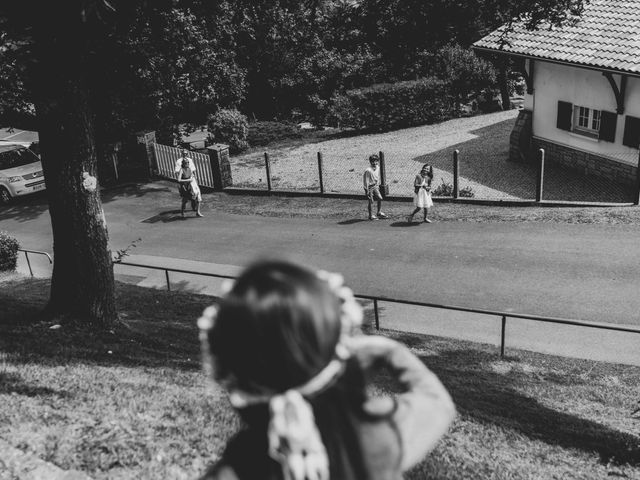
column 134, row 404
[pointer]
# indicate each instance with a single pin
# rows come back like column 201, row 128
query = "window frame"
column 588, row 115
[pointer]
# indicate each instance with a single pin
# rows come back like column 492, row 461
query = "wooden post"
column 456, row 173
column 384, row 188
column 268, row 168
column 540, row 183
column 320, row 172
column 636, row 200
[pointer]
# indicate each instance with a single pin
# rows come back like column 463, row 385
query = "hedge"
column 230, row 127
column 388, row 106
column 8, row 252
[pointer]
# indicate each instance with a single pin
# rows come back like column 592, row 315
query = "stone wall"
column 586, row 162
column 520, row 138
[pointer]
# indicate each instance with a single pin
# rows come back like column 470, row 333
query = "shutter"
column 565, row 112
column 631, row 136
column 608, row 122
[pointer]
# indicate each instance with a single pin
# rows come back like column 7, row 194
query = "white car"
column 20, row 171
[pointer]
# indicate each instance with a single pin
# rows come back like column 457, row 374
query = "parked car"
column 20, row 171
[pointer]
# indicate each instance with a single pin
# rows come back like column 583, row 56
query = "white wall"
column 587, row 88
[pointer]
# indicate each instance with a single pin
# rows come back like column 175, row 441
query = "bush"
column 263, row 132
column 388, row 106
column 230, row 127
column 8, row 252
column 445, row 189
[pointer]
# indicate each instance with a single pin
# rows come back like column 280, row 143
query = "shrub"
column 445, row 189
column 387, row 106
column 264, row 132
column 8, row 252
column 230, row 127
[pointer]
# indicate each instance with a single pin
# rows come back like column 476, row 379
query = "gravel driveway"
column 483, row 143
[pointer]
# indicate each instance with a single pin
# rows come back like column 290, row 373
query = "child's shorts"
column 374, row 193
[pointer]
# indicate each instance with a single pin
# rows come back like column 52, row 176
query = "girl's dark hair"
column 277, row 328
column 429, row 170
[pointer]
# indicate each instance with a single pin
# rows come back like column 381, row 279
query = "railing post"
column 384, row 188
column 26, row 255
column 540, row 182
column 267, row 166
column 166, row 273
column 636, row 199
column 502, row 336
column 376, row 313
column 456, row 173
column 320, row 172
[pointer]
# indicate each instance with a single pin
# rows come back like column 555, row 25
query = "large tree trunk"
column 82, row 285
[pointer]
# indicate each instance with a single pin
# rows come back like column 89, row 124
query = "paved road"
column 588, row 272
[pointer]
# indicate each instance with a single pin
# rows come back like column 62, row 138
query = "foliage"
column 124, row 252
column 8, row 252
column 445, row 189
column 264, row 132
column 388, row 106
column 230, row 127
column 467, row 74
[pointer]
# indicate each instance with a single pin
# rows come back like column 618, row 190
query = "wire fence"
column 477, row 175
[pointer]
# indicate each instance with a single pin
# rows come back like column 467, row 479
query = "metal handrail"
column 26, row 255
column 377, row 299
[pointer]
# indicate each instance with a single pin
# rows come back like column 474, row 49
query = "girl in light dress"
column 422, row 196
column 188, row 188
column 286, row 344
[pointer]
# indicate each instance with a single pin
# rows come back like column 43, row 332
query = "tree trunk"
column 503, row 84
column 82, row 284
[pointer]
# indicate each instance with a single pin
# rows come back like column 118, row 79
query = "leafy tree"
column 466, row 73
column 60, row 39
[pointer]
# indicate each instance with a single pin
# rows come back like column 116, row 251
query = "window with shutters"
column 586, row 121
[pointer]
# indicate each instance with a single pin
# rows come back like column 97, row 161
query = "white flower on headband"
column 350, row 310
column 226, row 286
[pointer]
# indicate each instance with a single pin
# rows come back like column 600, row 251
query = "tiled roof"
column 606, row 36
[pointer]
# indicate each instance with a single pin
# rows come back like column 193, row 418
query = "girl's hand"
column 369, row 349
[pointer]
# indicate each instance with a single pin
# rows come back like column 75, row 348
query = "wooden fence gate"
column 166, row 156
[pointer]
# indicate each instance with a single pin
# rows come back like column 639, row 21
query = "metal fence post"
column 26, row 255
column 320, row 172
column 540, row 182
column 636, row 199
column 166, row 273
column 456, row 173
column 502, row 336
column 267, row 166
column 375, row 311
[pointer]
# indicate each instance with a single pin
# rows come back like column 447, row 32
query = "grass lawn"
column 134, row 404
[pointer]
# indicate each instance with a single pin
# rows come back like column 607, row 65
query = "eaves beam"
column 619, row 93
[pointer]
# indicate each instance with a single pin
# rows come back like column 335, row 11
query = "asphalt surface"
column 586, row 272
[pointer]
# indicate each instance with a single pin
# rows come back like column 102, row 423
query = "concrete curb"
column 16, row 464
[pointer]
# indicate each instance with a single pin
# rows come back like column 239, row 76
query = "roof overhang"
column 495, row 51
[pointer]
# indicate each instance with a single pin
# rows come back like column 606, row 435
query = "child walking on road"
column 422, row 193
column 371, row 179
column 189, row 189
column 286, row 344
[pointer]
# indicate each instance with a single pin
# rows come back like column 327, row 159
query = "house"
column 582, row 102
